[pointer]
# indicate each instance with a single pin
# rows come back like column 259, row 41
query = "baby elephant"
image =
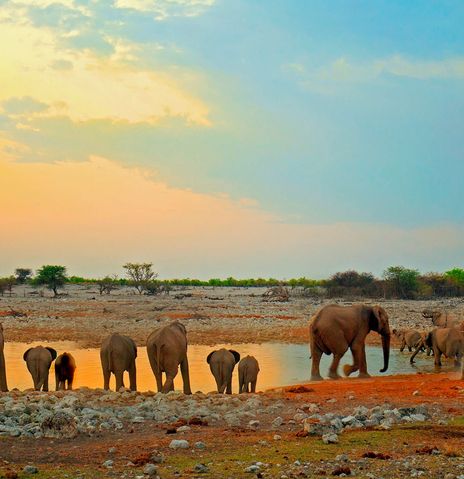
column 39, row 360
column 65, row 365
column 222, row 363
column 248, row 369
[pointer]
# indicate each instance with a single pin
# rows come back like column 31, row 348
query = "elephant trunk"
column 386, row 351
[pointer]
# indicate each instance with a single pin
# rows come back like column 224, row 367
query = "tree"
column 403, row 282
column 140, row 274
column 107, row 284
column 456, row 275
column 23, row 275
column 52, row 276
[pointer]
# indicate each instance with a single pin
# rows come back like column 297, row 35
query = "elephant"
column 118, row 354
column 3, row 384
column 39, row 360
column 412, row 339
column 447, row 341
column 167, row 349
column 222, row 363
column 248, row 369
column 65, row 365
column 443, row 319
column 334, row 329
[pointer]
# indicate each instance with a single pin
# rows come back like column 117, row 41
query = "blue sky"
column 314, row 112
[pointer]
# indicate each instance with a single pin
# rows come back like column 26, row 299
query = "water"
column 281, row 365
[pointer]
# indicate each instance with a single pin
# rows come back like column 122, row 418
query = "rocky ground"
column 212, row 315
column 317, row 430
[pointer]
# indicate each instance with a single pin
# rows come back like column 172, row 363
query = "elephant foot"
column 316, row 377
column 347, row 369
column 364, row 375
column 334, row 375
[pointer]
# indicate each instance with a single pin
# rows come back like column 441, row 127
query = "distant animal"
column 167, row 349
column 447, row 341
column 222, row 363
column 412, row 339
column 38, row 361
column 334, row 329
column 248, row 369
column 443, row 319
column 118, row 354
column 3, row 384
column 65, row 365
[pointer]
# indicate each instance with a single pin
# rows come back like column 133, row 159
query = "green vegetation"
column 52, row 276
column 397, row 282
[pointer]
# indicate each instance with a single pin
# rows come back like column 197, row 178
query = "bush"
column 107, row 284
column 351, row 283
column 52, row 276
column 401, row 282
column 140, row 275
column 23, row 275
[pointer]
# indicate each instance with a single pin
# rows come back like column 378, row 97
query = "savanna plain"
column 403, row 423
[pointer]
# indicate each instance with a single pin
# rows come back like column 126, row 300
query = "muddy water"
column 281, row 365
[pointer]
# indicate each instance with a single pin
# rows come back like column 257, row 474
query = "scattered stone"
column 201, row 468
column 109, row 463
column 179, row 444
column 150, row 470
column 330, row 438
column 30, row 469
column 254, row 468
column 277, row 437
column 200, row 445
column 184, row 429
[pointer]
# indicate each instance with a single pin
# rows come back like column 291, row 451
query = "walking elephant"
column 222, row 363
column 412, row 339
column 65, row 365
column 334, row 329
column 447, row 341
column 167, row 349
column 118, row 354
column 248, row 369
column 443, row 319
column 3, row 384
column 38, row 361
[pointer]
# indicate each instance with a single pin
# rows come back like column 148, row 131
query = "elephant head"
column 379, row 323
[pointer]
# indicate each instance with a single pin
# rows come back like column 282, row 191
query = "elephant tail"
column 222, row 378
column 109, row 353
column 158, row 356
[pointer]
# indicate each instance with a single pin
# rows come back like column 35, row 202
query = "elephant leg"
column 363, row 363
column 253, row 386
column 437, row 354
column 457, row 360
column 316, row 354
column 133, row 377
column 106, row 379
column 333, row 370
column 119, row 379
column 229, row 386
column 352, row 368
column 70, row 381
column 57, row 382
column 403, row 345
column 169, row 384
column 45, row 383
column 159, row 381
column 184, row 370
column 410, row 349
column 411, row 360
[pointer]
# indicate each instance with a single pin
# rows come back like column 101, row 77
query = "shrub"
column 140, row 274
column 52, row 276
column 23, row 275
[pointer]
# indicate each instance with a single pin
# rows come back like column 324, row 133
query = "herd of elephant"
column 166, row 349
column 333, row 330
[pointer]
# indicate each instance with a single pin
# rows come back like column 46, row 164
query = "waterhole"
column 281, row 365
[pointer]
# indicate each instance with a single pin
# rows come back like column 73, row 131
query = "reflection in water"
column 281, row 365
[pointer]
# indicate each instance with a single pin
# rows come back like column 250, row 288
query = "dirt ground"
column 211, row 315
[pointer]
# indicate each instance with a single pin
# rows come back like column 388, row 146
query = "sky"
column 240, row 138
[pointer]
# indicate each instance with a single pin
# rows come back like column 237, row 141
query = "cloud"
column 84, row 85
column 163, row 9
column 95, row 215
column 342, row 70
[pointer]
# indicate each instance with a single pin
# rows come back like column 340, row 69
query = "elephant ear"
column 26, row 353
column 208, row 359
column 236, row 355
column 52, row 352
column 381, row 319
column 181, row 327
